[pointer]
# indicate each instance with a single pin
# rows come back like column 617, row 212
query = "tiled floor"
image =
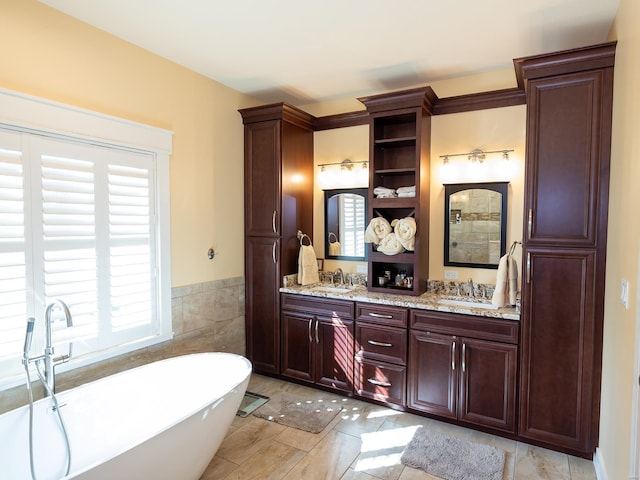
column 364, row 442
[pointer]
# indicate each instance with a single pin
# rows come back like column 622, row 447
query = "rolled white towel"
column 377, row 229
column 405, row 230
column 390, row 245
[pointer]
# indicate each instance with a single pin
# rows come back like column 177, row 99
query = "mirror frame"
column 363, row 192
column 452, row 188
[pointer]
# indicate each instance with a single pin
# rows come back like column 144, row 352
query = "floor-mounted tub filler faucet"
column 50, row 362
column 48, row 377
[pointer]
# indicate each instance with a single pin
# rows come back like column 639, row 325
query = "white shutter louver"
column 69, row 236
column 13, row 291
column 130, row 254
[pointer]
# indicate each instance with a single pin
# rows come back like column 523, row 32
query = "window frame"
column 28, row 114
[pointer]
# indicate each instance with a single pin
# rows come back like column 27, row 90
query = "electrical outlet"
column 361, row 269
column 450, row 275
column 624, row 293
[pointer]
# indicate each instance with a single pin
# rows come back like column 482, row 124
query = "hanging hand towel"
column 307, row 266
column 378, row 229
column 502, row 283
column 405, row 230
column 513, row 280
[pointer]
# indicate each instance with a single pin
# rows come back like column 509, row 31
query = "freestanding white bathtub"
column 164, row 420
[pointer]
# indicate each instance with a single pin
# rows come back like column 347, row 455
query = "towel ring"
column 334, row 236
column 301, row 237
column 513, row 247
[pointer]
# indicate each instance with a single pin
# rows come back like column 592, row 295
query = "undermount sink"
column 333, row 288
column 471, row 304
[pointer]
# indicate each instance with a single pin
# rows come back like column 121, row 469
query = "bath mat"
column 310, row 415
column 250, row 402
column 453, row 458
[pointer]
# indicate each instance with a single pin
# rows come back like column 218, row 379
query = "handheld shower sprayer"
column 28, row 337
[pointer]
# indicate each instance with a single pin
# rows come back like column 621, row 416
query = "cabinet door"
column 488, row 383
column 262, row 178
column 334, row 352
column 564, row 174
column 432, row 373
column 263, row 303
column 298, row 345
column 557, row 349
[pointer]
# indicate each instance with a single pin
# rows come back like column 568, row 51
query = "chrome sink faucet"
column 339, row 273
column 470, row 283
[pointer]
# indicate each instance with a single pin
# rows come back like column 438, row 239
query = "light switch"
column 624, row 293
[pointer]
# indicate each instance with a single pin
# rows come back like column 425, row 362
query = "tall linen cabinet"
column 278, row 171
column 569, row 104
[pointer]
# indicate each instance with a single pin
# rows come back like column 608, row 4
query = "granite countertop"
column 426, row 301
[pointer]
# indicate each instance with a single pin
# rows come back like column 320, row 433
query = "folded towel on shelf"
column 405, row 230
column 377, row 229
column 307, row 266
column 390, row 245
column 406, row 190
column 384, row 192
column 506, row 289
column 406, row 195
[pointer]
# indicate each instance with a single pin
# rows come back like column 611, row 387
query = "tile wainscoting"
column 206, row 317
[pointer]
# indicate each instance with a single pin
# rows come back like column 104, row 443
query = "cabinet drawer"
column 317, row 306
column 380, row 381
column 381, row 343
column 484, row 328
column 382, row 314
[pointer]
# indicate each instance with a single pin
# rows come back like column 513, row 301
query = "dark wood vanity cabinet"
column 464, row 368
column 569, row 104
column 278, row 164
column 317, row 341
column 381, row 353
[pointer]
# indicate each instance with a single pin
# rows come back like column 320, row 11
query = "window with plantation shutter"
column 79, row 222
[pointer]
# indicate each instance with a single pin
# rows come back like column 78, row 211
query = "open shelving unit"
column 399, row 151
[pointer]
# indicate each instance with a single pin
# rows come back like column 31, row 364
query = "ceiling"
column 304, row 52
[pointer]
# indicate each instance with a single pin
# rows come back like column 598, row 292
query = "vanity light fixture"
column 343, row 174
column 483, row 166
column 476, row 155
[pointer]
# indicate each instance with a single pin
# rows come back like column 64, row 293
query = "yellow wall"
column 455, row 133
column 618, row 378
column 51, row 55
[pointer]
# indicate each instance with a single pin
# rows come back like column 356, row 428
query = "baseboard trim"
column 598, row 463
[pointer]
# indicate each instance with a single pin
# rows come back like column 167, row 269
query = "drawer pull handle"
column 380, row 344
column 380, row 315
column 378, row 383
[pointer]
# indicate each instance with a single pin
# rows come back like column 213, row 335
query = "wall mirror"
column 475, row 221
column 345, row 220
